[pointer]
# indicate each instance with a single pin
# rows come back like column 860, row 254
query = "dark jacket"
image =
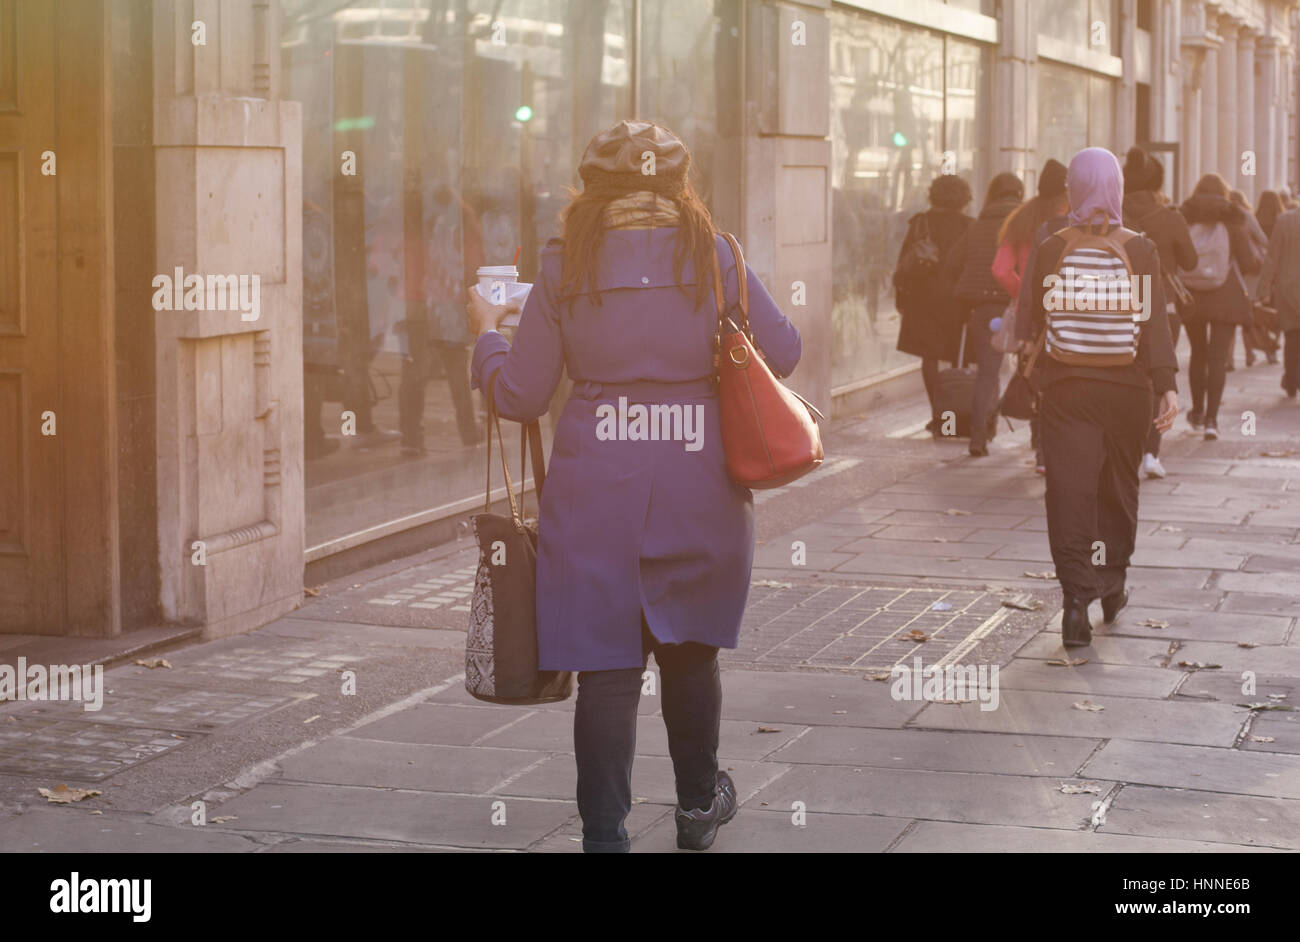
column 1228, row 303
column 1162, row 224
column 930, row 325
column 1155, row 361
column 971, row 262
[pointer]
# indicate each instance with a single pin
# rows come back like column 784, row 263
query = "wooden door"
column 31, row 502
column 58, row 508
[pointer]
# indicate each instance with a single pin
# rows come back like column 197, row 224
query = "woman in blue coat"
column 645, row 543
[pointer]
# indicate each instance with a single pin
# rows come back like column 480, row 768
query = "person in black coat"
column 1216, row 313
column 971, row 263
column 930, row 328
column 1146, row 210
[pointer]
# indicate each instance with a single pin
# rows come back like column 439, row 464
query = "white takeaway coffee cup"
column 500, row 284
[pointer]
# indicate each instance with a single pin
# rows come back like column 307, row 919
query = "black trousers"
column 1291, row 358
column 604, row 735
column 1207, row 368
column 1093, row 435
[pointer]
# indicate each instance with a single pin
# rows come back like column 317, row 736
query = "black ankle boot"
column 1113, row 603
column 1076, row 630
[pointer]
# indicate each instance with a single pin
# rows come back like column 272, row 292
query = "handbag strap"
column 742, row 280
column 530, row 434
column 1028, row 368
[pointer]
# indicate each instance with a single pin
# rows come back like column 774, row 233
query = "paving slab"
column 553, row 732
column 643, row 816
column 75, row 830
column 1274, row 659
column 938, row 750
column 757, row 830
column 1201, row 626
column 1104, row 649
column 1095, row 677
column 1261, row 603
column 652, row 778
column 348, row 760
column 391, row 815
column 1054, row 714
column 941, row 837
column 1283, row 729
column 776, row 699
column 1205, row 816
column 940, row 796
column 1196, row 767
column 440, row 724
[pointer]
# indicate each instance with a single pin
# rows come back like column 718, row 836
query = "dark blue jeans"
column 988, row 360
column 604, row 735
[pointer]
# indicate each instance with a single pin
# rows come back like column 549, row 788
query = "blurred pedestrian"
column 1279, row 287
column 971, row 266
column 1220, row 302
column 1016, row 239
column 1096, row 396
column 1147, row 210
column 930, row 327
column 643, row 545
column 1259, row 247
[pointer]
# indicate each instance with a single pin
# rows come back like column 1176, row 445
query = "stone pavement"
column 1157, row 742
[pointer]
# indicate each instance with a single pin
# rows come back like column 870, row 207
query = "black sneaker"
column 697, row 828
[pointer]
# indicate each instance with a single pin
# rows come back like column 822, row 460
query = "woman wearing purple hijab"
column 1095, row 418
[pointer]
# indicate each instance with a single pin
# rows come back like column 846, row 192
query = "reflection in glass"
column 464, row 121
column 900, row 98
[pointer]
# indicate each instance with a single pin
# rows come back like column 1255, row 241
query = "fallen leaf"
column 954, row 512
column 1254, row 738
column 1278, row 454
column 1247, row 644
column 1088, row 706
column 311, row 719
column 1170, row 528
column 880, row 675
column 1080, row 789
column 1068, row 661
column 153, row 662
column 917, row 635
column 769, row 729
column 97, row 811
column 314, row 593
column 222, row 819
column 62, row 794
column 1153, row 623
column 841, row 712
column 1049, row 574
column 1023, row 602
column 951, row 559
column 1199, row 666
column 772, row 584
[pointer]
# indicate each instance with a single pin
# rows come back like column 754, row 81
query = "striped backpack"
column 1094, row 303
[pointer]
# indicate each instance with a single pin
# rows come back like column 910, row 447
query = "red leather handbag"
column 769, row 432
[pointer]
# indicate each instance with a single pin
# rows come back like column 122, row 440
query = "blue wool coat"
column 629, row 525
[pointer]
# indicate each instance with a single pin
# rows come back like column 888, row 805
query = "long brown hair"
column 1022, row 225
column 583, row 222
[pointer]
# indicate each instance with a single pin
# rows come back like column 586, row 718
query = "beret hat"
column 616, row 158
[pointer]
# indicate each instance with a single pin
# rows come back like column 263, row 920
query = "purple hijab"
column 1095, row 182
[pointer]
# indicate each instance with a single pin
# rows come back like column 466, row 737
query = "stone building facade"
column 359, row 161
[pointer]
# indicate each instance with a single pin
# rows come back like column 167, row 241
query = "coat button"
column 645, row 280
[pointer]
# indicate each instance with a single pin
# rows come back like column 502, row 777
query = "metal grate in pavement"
column 861, row 627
